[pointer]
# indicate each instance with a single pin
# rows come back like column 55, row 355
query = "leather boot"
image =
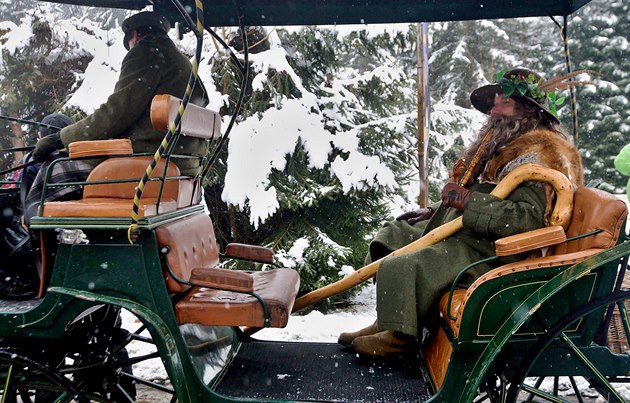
column 384, row 344
column 346, row 338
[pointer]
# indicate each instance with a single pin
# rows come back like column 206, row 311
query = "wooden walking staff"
column 463, row 179
column 528, row 172
column 561, row 215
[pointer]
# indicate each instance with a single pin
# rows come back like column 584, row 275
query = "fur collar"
column 540, row 146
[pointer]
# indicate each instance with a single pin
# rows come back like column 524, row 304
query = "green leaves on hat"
column 554, row 101
column 528, row 86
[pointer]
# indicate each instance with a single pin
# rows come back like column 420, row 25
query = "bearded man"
column 522, row 128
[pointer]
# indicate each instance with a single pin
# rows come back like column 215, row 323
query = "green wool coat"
column 154, row 66
column 409, row 285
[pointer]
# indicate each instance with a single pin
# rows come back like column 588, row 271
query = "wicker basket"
column 617, row 340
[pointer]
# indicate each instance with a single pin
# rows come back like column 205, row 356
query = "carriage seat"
column 481, row 308
column 220, row 297
column 593, row 209
column 116, row 199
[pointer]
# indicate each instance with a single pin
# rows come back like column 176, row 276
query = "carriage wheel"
column 100, row 361
column 109, row 374
column 602, row 384
column 27, row 380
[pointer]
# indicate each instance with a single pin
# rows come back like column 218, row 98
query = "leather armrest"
column 99, row 148
column 249, row 252
column 530, row 240
column 222, row 279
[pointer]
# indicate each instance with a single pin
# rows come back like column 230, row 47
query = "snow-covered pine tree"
column 37, row 71
column 600, row 34
column 335, row 162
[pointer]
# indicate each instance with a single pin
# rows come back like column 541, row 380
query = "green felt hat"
column 521, row 84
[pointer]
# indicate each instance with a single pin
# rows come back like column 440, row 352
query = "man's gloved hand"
column 455, row 196
column 413, row 217
column 46, row 146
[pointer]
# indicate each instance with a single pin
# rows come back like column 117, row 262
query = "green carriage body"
column 509, row 313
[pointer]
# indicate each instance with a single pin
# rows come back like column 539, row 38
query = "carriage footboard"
column 264, row 370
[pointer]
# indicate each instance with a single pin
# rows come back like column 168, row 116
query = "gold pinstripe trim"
column 485, row 305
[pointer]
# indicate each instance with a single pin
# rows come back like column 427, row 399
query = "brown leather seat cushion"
column 207, row 306
column 106, row 207
column 192, row 255
column 99, row 148
column 131, row 168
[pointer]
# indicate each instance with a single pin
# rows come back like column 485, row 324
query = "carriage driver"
column 521, row 128
column 153, row 65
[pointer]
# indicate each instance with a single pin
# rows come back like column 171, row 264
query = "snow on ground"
column 314, row 327
column 318, row 327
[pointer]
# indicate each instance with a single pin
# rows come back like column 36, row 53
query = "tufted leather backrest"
column 191, row 244
column 594, row 209
column 128, row 168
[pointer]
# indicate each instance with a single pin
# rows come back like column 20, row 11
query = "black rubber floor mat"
column 320, row 372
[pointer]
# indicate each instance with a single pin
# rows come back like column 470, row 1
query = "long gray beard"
column 506, row 129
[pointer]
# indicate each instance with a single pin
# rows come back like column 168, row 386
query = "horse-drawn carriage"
column 139, row 240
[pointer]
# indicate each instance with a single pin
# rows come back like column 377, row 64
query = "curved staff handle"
column 561, row 215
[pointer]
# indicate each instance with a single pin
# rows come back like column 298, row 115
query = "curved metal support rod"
column 244, row 69
column 28, row 122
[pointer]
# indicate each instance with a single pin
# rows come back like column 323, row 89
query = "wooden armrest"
column 530, row 240
column 222, row 279
column 196, row 122
column 249, row 252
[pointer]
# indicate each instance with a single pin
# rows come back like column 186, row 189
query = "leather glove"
column 46, row 146
column 455, row 196
column 413, row 217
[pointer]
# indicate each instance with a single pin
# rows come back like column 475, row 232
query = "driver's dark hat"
column 146, row 20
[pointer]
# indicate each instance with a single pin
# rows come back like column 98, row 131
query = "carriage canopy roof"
column 326, row 12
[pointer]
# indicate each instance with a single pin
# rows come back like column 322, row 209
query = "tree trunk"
column 17, row 137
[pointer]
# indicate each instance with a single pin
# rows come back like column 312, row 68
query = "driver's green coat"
column 154, row 66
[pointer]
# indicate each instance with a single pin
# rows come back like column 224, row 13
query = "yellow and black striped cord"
column 198, row 29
